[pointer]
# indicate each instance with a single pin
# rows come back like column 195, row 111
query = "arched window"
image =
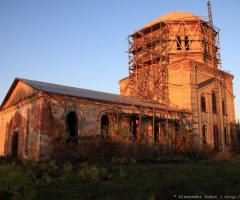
column 179, row 46
column 186, row 43
column 72, row 123
column 203, row 104
column 104, row 126
column 224, row 107
column 204, row 134
column 214, row 102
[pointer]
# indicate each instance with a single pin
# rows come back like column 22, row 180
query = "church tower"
column 175, row 60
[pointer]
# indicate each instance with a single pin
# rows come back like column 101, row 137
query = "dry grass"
column 230, row 156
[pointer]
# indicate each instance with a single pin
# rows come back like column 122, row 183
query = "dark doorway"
column 72, row 123
column 15, row 144
column 216, row 137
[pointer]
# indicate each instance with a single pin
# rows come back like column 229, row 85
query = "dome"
column 174, row 16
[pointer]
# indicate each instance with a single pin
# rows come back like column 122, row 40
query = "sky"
column 83, row 43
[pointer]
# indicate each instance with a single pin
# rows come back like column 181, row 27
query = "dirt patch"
column 223, row 155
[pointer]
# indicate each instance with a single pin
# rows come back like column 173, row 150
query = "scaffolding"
column 164, row 42
column 148, row 62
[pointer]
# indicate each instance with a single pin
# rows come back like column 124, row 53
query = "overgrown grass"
column 100, row 180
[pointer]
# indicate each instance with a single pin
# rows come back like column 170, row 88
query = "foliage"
column 92, row 173
column 184, row 142
column 185, row 145
column 123, row 161
column 17, row 182
column 102, row 180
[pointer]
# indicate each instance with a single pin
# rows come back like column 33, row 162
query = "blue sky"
column 83, row 43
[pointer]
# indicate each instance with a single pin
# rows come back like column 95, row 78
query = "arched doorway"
column 15, row 144
column 216, row 137
column 72, row 123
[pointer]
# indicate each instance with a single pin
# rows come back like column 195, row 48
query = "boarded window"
column 203, row 104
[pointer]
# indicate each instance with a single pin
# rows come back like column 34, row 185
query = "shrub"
column 92, row 173
column 16, row 182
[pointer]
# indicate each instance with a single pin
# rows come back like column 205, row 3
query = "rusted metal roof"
column 89, row 94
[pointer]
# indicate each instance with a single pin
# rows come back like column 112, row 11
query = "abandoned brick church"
column 175, row 82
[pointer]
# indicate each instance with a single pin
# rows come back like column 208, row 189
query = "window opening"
column 104, row 126
column 72, row 123
column 203, row 104
column 186, row 43
column 214, row 102
column 133, row 125
column 224, row 107
column 179, row 46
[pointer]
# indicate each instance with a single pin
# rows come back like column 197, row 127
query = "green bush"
column 92, row 173
column 17, row 182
